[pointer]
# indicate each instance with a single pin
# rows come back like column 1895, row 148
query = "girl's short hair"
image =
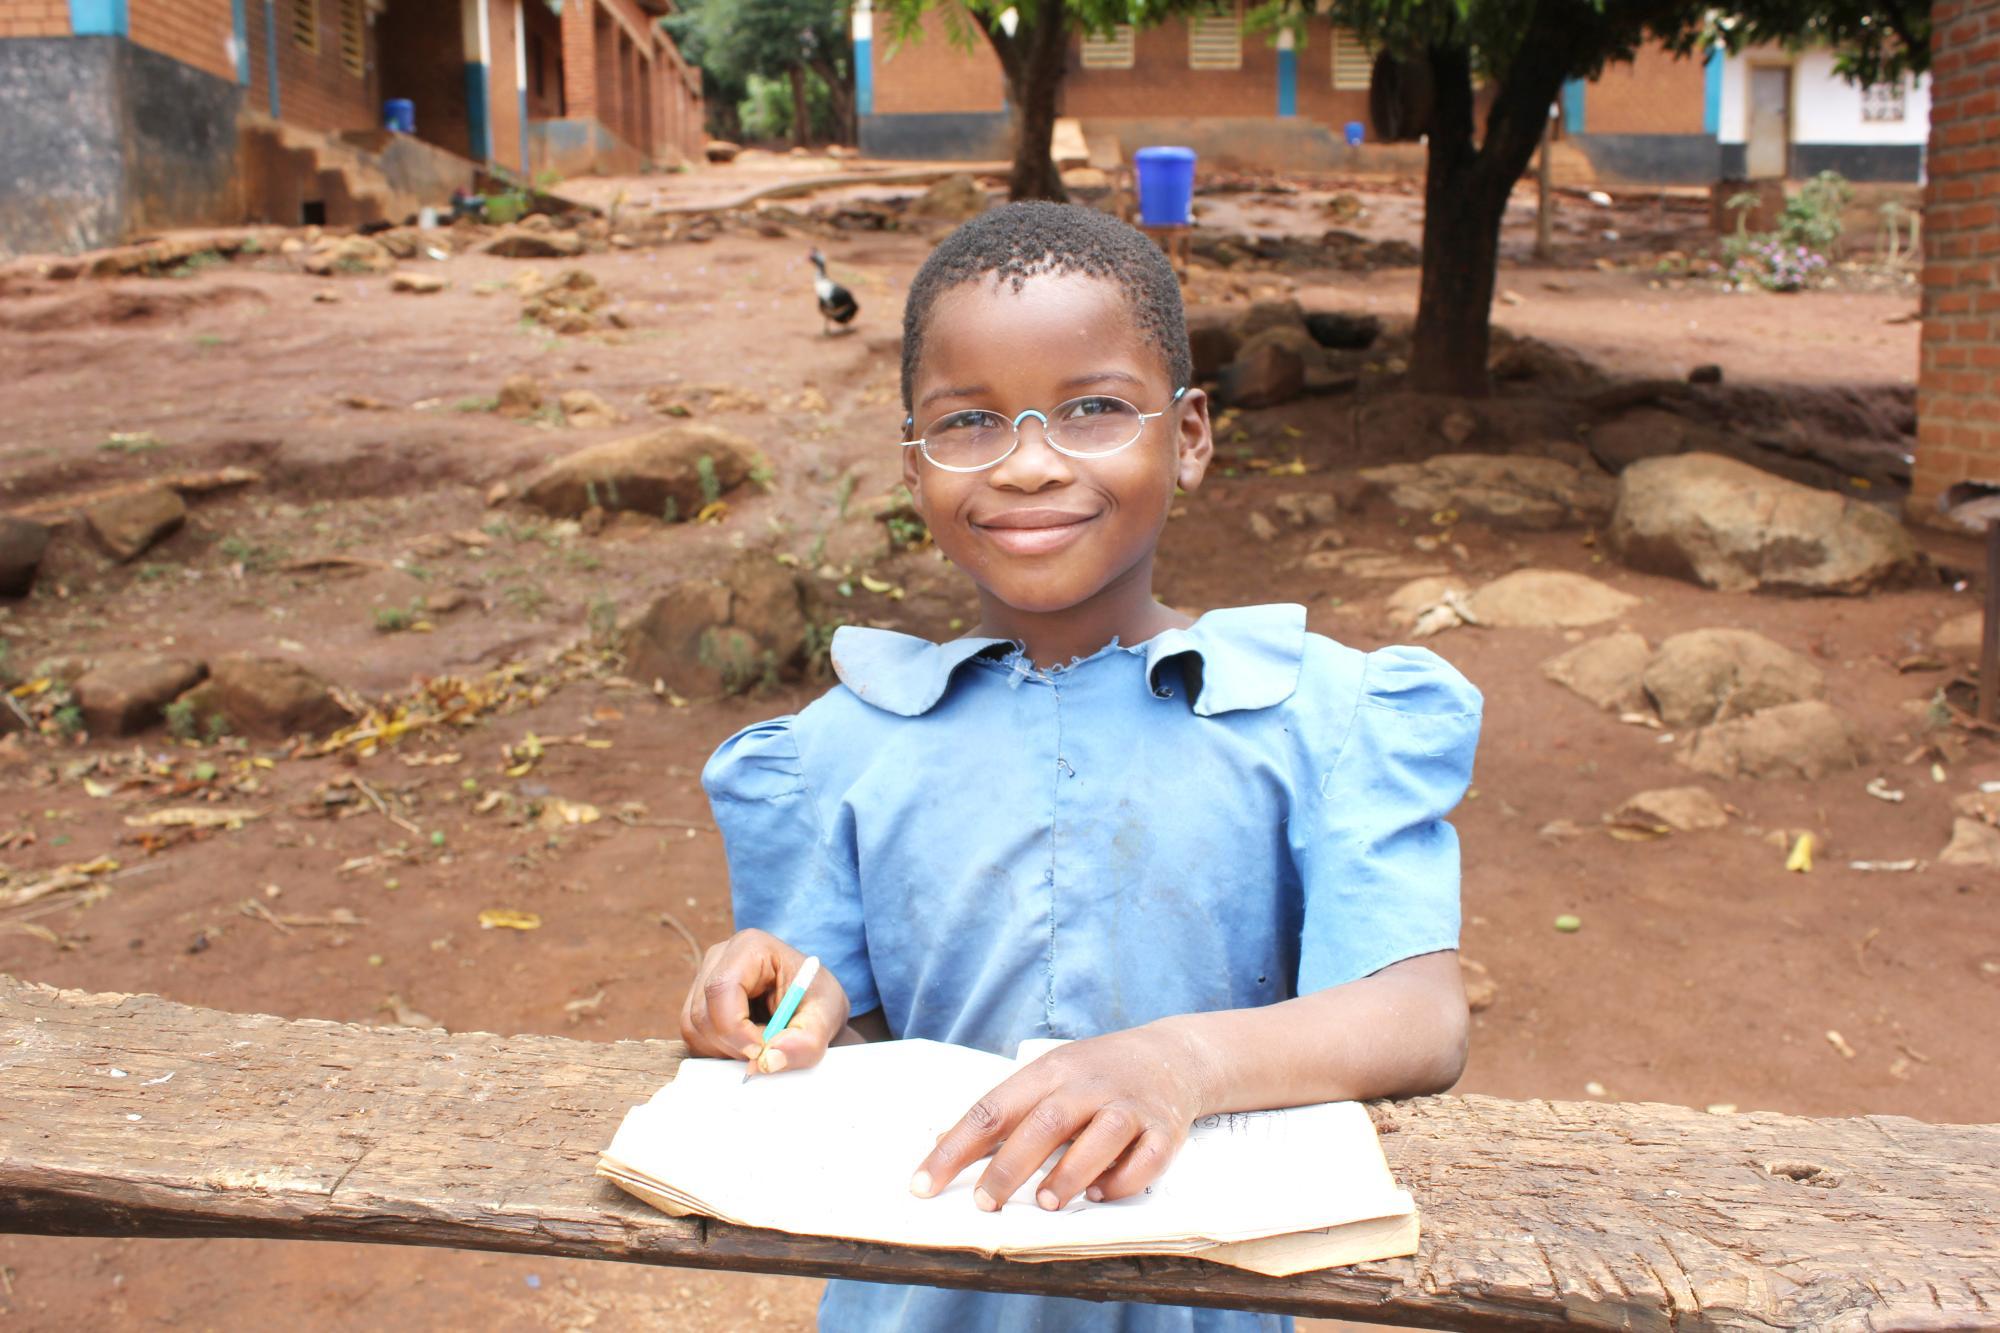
column 1016, row 242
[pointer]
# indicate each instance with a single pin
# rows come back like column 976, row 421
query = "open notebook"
column 829, row 1152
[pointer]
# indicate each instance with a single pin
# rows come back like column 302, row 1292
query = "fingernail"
column 752, row 1052
column 985, row 1201
column 920, row 1184
column 1048, row 1200
column 1094, row 1194
column 774, row 1060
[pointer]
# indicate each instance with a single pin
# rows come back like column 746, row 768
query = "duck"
column 836, row 304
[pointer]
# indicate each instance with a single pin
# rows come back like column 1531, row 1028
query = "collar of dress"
column 1242, row 657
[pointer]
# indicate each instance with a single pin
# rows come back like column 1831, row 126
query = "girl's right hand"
column 715, row 1019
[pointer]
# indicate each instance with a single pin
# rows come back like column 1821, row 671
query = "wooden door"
column 1770, row 131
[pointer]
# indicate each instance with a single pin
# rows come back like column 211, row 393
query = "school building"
column 1247, row 101
column 126, row 116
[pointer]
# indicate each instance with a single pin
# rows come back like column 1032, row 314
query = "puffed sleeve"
column 1378, row 864
column 786, row 876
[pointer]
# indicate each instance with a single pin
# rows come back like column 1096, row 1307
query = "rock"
column 1547, row 599
column 1605, row 671
column 710, row 636
column 953, row 199
column 1682, row 809
column 349, row 254
column 421, row 284
column 1802, row 740
column 129, row 525
column 1653, row 432
column 1507, row 490
column 1211, row 340
column 1730, row 526
column 1457, row 428
column 126, row 696
column 1419, row 595
column 720, row 150
column 1712, row 675
column 1517, row 359
column 1264, row 374
column 569, row 303
column 1480, row 988
column 585, row 410
column 520, row 397
column 1972, row 844
column 1262, row 315
column 1320, row 373
column 658, row 473
column 22, row 544
column 1261, row 526
column 522, row 242
column 1308, row 509
column 1960, row 634
column 1705, row 374
column 270, row 698
column 1344, row 330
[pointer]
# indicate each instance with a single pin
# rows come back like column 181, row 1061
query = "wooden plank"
column 132, row 1116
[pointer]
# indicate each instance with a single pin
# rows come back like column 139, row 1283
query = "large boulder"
column 1262, row 315
column 1503, row 489
column 722, row 636
column 1547, row 599
column 1730, row 526
column 659, row 473
column 525, row 243
column 1212, row 341
column 1802, row 740
column 349, row 254
column 129, row 525
column 953, row 199
column 1344, row 330
column 1712, row 675
column 127, row 695
column 1320, row 375
column 270, row 698
column 22, row 543
column 1605, row 670
column 1264, row 374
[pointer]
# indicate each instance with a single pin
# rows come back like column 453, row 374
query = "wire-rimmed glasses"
column 1092, row 426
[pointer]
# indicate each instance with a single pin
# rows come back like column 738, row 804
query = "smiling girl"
column 1212, row 851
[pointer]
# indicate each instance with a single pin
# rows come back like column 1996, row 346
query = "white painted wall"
column 1825, row 107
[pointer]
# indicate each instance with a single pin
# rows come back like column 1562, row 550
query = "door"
column 1770, row 132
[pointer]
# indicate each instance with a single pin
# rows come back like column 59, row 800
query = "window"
column 1215, row 38
column 1110, row 51
column 305, row 24
column 1353, row 62
column 1882, row 102
column 353, row 38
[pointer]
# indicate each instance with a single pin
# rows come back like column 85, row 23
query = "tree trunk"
column 801, row 108
column 841, row 95
column 1544, row 202
column 1034, row 61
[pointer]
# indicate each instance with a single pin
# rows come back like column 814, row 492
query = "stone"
column 568, row 303
column 722, row 636
column 1606, row 671
column 585, row 410
column 1973, row 843
column 420, row 284
column 720, row 150
column 1419, row 595
column 1709, row 373
column 658, row 473
column 1262, row 315
column 1264, row 374
column 1261, row 526
column 1682, row 809
column 125, row 696
column 22, row 545
column 1654, row 432
column 1960, row 634
column 953, row 199
column 1457, row 428
column 349, row 254
column 520, row 397
column 1506, row 490
column 1308, row 509
column 1480, row 988
column 1547, row 599
column 129, row 525
column 1712, row 675
column 1344, row 330
column 1530, row 360
column 1801, row 740
column 522, row 242
column 1732, row 527
column 269, row 698
column 1211, row 340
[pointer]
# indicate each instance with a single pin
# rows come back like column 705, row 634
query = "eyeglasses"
column 1089, row 427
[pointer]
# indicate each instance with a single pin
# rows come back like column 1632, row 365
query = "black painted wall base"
column 939, row 136
column 1856, row 161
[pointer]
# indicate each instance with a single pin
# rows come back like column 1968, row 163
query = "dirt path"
column 1703, row 974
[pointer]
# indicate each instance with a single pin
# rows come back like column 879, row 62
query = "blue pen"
column 781, row 1017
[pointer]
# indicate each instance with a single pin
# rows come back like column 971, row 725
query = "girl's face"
column 1041, row 531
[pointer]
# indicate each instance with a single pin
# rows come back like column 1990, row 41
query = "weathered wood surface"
column 133, row 1116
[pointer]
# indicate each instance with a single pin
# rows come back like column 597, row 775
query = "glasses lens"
column 1095, row 425
column 967, row 439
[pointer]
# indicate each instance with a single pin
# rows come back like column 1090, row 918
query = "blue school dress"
column 1226, row 815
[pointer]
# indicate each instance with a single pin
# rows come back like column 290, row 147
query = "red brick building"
column 1958, row 382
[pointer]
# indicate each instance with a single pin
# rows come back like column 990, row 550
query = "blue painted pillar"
column 1572, row 104
column 478, row 38
column 271, row 53
column 864, row 63
column 239, row 27
column 1711, row 91
column 1288, row 73
column 521, row 81
column 99, row 18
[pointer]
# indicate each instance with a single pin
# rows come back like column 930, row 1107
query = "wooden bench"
column 129, row 1115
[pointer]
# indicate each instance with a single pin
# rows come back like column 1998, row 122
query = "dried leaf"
column 508, row 918
column 188, row 816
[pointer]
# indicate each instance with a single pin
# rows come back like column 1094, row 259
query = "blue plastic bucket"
column 1356, row 132
column 1166, row 186
column 400, row 113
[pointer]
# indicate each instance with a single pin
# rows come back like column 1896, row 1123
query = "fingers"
column 820, row 1019
column 1052, row 1122
column 1143, row 1163
column 1100, row 1145
column 977, row 1133
column 715, row 1018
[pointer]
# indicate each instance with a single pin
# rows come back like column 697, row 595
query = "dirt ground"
column 1703, row 974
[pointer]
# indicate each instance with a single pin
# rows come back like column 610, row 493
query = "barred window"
column 1113, row 50
column 1882, row 102
column 305, row 24
column 1353, row 62
column 1215, row 38
column 354, row 38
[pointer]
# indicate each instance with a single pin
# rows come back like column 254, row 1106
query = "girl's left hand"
column 1123, row 1102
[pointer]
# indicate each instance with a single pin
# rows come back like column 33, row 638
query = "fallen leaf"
column 1839, row 1043
column 1800, row 859
column 508, row 918
column 193, row 817
column 557, row 813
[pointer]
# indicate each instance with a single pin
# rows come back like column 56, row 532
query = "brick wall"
column 1654, row 93
column 1958, row 382
column 503, row 98
column 315, row 90
column 420, row 49
column 34, row 18
column 579, row 45
column 928, row 73
column 194, row 32
column 545, row 61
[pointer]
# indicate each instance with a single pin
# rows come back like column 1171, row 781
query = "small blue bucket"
column 1166, row 186
column 399, row 114
column 1356, row 132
